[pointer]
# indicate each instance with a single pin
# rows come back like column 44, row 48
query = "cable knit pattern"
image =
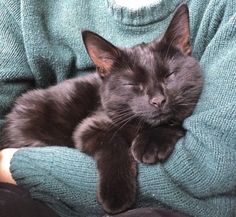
column 40, row 44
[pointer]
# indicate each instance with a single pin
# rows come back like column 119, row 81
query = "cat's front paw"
column 150, row 148
column 116, row 190
column 116, row 197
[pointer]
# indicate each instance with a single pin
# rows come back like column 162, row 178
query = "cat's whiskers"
column 122, row 110
column 121, row 119
column 140, row 125
column 184, row 104
column 120, row 116
column 123, row 123
column 121, row 113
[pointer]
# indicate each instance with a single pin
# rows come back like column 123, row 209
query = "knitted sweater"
column 40, row 45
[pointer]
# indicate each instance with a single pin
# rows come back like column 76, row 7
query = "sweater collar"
column 154, row 12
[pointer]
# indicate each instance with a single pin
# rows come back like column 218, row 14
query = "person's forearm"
column 5, row 159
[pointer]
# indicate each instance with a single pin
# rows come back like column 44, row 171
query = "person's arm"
column 62, row 177
column 5, row 159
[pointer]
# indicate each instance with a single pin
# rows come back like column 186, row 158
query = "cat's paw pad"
column 148, row 150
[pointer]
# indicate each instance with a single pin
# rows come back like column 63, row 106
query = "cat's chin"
column 157, row 121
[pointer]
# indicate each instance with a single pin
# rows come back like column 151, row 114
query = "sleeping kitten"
column 130, row 111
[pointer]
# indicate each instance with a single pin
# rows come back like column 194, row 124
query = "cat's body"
column 131, row 111
column 49, row 117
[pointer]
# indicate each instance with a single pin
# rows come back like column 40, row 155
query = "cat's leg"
column 117, row 178
column 116, row 166
column 89, row 136
column 156, row 144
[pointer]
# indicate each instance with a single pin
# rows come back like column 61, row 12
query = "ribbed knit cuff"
column 64, row 178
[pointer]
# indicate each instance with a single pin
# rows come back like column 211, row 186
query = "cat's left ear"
column 103, row 53
column 178, row 32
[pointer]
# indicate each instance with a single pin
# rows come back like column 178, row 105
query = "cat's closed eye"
column 131, row 84
column 170, row 73
column 136, row 86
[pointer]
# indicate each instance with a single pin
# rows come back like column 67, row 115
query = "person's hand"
column 5, row 159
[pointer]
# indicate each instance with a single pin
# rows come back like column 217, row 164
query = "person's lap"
column 17, row 202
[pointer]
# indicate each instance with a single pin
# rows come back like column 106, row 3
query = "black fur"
column 130, row 111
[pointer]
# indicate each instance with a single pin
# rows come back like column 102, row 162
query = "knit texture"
column 40, row 45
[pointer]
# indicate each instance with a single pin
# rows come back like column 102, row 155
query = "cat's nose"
column 158, row 101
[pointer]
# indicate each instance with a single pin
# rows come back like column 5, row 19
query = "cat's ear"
column 178, row 32
column 103, row 53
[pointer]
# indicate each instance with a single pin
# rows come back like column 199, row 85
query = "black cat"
column 130, row 111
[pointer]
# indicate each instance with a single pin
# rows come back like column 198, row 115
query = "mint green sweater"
column 40, row 45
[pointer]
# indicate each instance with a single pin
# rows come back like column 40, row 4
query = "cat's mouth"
column 156, row 119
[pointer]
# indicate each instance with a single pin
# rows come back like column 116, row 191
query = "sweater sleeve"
column 15, row 74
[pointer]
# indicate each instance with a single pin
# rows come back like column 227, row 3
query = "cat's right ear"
column 178, row 32
column 102, row 53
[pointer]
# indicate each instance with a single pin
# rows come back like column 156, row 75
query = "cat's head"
column 155, row 82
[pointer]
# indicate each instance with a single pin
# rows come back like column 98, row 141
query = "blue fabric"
column 41, row 45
